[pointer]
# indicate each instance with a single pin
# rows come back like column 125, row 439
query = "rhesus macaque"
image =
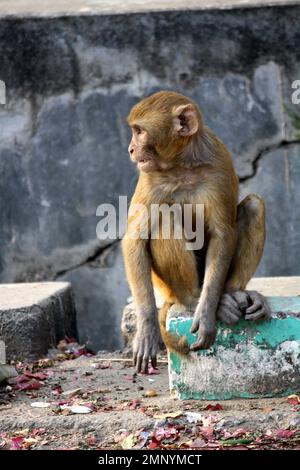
column 182, row 161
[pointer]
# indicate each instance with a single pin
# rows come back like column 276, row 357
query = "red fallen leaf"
column 240, row 432
column 207, row 433
column 294, row 400
column 91, row 440
column 153, row 445
column 285, row 433
column 19, row 379
column 57, row 390
column 166, row 433
column 134, row 404
column 215, row 407
column 38, row 375
column 153, row 371
column 16, row 443
column 29, row 386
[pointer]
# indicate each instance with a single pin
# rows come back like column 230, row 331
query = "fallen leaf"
column 92, row 440
column 129, row 442
column 29, row 385
column 72, row 393
column 207, row 433
column 193, row 417
column 173, row 414
column 151, row 393
column 143, row 437
column 293, row 399
column 22, row 432
column 38, row 375
column 57, row 390
column 40, row 404
column 285, row 433
column 234, row 442
column 16, row 443
column 198, row 443
column 77, row 409
column 28, row 442
column 215, row 407
column 134, row 404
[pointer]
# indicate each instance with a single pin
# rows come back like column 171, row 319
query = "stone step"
column 248, row 360
column 34, row 317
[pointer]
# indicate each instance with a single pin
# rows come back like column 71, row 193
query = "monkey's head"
column 163, row 125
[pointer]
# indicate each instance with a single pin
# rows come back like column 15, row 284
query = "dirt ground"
column 128, row 411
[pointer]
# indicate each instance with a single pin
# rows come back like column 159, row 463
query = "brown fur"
column 182, row 161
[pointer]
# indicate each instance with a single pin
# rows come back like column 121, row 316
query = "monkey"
column 180, row 160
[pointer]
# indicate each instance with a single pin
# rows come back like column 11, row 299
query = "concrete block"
column 34, row 317
column 248, row 360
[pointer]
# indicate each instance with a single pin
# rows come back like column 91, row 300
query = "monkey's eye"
column 137, row 130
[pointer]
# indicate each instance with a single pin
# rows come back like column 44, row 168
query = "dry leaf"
column 151, row 393
column 129, row 442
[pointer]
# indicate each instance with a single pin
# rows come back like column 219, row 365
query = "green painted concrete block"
column 248, row 360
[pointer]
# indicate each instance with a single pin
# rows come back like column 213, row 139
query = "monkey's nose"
column 131, row 150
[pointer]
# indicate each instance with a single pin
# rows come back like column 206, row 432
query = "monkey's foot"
column 258, row 307
column 230, row 311
column 252, row 304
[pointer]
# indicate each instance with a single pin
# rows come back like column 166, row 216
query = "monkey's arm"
column 138, row 269
column 218, row 258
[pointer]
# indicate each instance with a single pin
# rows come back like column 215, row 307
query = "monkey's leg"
column 249, row 249
column 174, row 271
column 175, row 276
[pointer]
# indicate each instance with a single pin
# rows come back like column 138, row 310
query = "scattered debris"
column 150, row 393
column 40, row 404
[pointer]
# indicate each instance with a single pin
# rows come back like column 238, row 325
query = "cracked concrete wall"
column 63, row 138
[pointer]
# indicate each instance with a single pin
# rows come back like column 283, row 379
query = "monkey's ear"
column 185, row 120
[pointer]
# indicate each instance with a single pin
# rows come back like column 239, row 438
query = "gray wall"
column 63, row 137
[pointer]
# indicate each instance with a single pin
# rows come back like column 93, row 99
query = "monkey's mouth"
column 143, row 163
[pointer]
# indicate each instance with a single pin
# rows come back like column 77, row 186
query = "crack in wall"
column 282, row 145
column 99, row 253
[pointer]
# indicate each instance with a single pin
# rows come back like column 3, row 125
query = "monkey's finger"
column 228, row 317
column 134, row 358
column 195, row 325
column 257, row 304
column 138, row 366
column 154, row 362
column 241, row 299
column 145, row 363
column 258, row 315
column 229, row 301
column 203, row 343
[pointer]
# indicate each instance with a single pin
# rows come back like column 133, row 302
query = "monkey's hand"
column 205, row 324
column 147, row 343
column 257, row 307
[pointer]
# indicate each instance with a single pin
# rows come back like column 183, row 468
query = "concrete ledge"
column 104, row 7
column 249, row 360
column 34, row 317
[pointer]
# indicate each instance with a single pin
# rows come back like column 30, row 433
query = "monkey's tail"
column 172, row 342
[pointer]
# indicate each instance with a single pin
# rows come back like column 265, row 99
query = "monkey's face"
column 163, row 125
column 142, row 150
